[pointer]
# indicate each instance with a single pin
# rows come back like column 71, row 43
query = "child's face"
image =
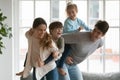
column 72, row 13
column 96, row 34
column 40, row 31
column 56, row 33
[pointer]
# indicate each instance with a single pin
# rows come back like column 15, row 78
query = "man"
column 82, row 45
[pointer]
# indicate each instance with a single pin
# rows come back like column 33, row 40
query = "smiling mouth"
column 59, row 34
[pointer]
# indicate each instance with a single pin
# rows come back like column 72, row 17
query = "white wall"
column 6, row 71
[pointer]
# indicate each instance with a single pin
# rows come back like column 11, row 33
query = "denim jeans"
column 73, row 73
column 52, row 75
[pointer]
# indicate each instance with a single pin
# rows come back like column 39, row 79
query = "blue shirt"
column 73, row 25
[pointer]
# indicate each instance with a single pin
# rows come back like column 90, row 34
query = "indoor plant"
column 5, row 30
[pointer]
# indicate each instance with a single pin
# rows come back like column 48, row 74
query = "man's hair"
column 103, row 26
column 54, row 25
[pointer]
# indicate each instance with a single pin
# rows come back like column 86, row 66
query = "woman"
column 40, row 47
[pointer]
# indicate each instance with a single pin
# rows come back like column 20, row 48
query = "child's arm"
column 64, row 55
column 50, row 58
column 53, row 55
column 61, row 45
column 84, row 26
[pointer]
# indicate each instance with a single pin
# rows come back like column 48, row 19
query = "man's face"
column 96, row 34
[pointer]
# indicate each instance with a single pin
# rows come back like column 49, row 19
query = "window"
column 105, row 59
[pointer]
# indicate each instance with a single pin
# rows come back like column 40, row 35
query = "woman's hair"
column 71, row 5
column 103, row 26
column 54, row 25
column 46, row 41
column 38, row 21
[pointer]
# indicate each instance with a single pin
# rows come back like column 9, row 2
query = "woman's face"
column 96, row 34
column 40, row 31
column 56, row 33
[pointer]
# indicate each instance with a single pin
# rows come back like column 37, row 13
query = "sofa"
column 93, row 76
column 100, row 76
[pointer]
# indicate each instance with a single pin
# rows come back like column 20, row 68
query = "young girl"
column 71, row 24
column 40, row 47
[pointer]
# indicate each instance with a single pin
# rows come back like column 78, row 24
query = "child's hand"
column 31, row 31
column 80, row 28
column 55, row 54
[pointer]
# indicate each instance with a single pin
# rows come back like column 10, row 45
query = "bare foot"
column 20, row 73
column 61, row 71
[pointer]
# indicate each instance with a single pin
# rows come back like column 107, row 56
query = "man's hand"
column 69, row 60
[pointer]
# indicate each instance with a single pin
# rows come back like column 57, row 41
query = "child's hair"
column 103, row 26
column 54, row 25
column 71, row 5
column 38, row 21
column 46, row 41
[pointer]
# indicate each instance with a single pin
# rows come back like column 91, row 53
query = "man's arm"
column 71, row 38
